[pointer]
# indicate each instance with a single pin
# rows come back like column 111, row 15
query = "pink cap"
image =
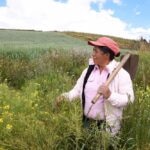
column 105, row 41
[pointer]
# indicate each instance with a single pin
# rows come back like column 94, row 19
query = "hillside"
column 123, row 43
column 28, row 39
column 60, row 40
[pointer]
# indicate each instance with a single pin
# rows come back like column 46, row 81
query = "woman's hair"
column 106, row 50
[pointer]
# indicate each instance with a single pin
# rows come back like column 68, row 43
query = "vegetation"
column 33, row 73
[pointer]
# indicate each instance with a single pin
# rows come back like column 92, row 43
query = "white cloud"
column 136, row 10
column 117, row 1
column 74, row 15
column 137, row 13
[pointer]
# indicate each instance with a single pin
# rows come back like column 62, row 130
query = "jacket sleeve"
column 124, row 93
column 77, row 89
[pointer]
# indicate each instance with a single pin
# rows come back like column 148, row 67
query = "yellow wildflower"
column 36, row 105
column 6, row 107
column 46, row 113
column 35, row 94
column 1, row 120
column 9, row 126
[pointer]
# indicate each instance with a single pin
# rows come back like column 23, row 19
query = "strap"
column 90, row 68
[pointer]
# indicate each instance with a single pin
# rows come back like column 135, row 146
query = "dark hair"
column 106, row 50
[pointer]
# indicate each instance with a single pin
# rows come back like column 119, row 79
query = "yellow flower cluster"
column 35, row 94
column 8, row 126
column 5, row 116
column 1, row 120
column 7, row 107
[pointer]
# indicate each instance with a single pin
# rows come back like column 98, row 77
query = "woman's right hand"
column 59, row 100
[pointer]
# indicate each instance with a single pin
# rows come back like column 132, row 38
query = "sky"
column 121, row 18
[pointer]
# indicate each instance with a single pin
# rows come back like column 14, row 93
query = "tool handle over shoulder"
column 112, row 76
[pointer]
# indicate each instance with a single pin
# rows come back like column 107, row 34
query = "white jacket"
column 121, row 94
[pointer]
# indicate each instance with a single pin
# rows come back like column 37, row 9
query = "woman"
column 115, row 97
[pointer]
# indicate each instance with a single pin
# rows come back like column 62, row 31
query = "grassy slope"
column 123, row 43
column 38, row 39
column 67, row 40
column 25, row 38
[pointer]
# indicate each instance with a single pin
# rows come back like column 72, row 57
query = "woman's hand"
column 59, row 100
column 104, row 90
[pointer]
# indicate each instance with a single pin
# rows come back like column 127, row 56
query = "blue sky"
column 134, row 12
column 123, row 18
column 2, row 2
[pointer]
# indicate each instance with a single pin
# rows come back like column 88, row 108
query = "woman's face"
column 99, row 57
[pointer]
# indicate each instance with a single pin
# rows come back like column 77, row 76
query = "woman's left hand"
column 104, row 90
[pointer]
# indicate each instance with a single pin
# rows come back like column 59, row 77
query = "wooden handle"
column 111, row 77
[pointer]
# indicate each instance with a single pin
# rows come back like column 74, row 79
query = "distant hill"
column 123, row 43
column 38, row 39
column 65, row 40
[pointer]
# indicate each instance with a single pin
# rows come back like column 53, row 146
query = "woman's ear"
column 107, row 54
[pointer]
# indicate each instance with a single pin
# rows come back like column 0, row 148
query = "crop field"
column 35, row 68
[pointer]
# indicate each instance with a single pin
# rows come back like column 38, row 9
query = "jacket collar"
column 110, row 67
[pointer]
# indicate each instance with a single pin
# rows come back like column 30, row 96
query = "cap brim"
column 93, row 43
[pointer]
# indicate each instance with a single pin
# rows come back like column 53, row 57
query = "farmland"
column 36, row 67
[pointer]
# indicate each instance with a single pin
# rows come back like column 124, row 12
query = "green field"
column 36, row 67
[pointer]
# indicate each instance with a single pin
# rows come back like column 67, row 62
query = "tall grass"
column 142, row 76
column 30, row 120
